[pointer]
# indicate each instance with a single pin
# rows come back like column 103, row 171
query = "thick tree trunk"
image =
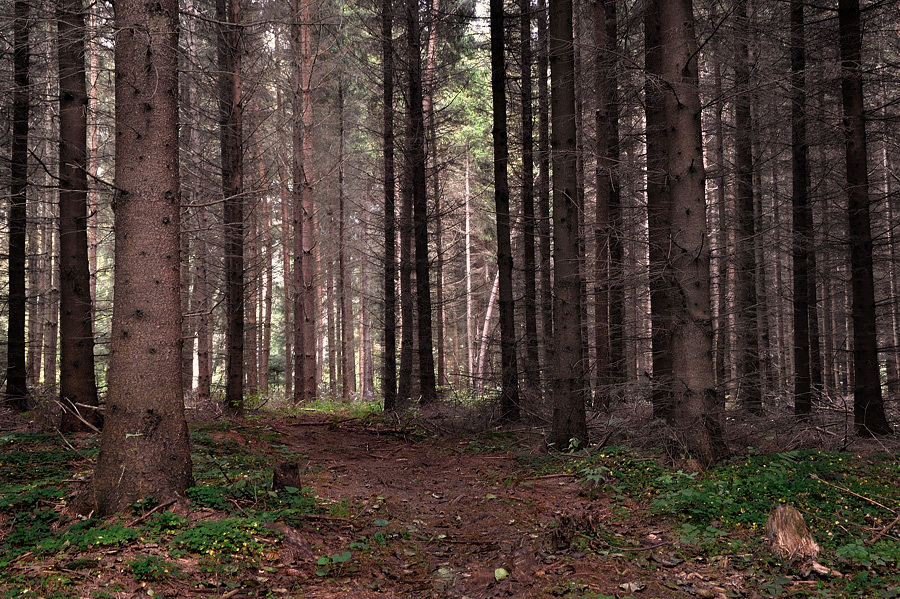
column 868, row 404
column 228, row 13
column 389, row 358
column 144, row 449
column 509, row 393
column 568, row 390
column 543, row 190
column 692, row 404
column 16, row 377
column 418, row 182
column 78, row 386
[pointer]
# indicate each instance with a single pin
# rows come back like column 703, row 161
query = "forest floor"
column 375, row 508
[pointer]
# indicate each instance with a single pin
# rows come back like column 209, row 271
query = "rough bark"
column 568, row 390
column 543, row 189
column 692, row 404
column 144, row 448
column 78, row 387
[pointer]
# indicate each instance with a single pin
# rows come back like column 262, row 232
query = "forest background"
column 587, row 209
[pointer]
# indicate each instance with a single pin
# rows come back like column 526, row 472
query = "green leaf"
column 500, row 574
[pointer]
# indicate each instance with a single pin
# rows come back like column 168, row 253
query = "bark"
column 418, row 181
column 692, row 404
column 802, row 215
column 569, row 424
column 747, row 327
column 348, row 381
column 78, row 385
column 144, row 449
column 16, row 377
column 868, row 404
column 229, row 49
column 532, row 365
column 509, row 392
column 305, row 290
column 389, row 358
column 470, row 322
column 543, row 190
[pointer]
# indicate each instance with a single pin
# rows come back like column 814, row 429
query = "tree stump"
column 286, row 474
column 791, row 540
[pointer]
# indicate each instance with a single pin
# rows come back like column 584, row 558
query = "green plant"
column 334, row 564
column 152, row 568
column 223, row 539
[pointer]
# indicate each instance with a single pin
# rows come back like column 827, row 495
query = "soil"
column 453, row 523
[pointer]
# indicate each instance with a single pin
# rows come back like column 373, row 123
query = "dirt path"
column 450, row 518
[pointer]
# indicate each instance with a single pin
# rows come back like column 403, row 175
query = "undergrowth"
column 849, row 504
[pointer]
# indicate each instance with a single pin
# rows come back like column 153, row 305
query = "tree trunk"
column 389, row 358
column 348, row 383
column 543, row 195
column 693, row 407
column 305, row 291
column 418, row 181
column 746, row 307
column 802, row 215
column 78, row 387
column 868, row 404
column 509, row 393
column 532, row 364
column 144, row 449
column 568, row 390
column 229, row 50
column 16, row 377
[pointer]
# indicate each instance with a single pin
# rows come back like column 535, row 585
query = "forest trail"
column 452, row 515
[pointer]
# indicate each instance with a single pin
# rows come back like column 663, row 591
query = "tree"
column 690, row 402
column 389, row 364
column 78, row 387
column 509, row 393
column 229, row 51
column 802, row 215
column 868, row 404
column 16, row 377
column 415, row 142
column 144, row 448
column 568, row 383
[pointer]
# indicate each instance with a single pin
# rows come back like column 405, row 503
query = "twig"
column 70, row 446
column 884, row 531
column 546, row 476
column 159, row 507
column 74, row 410
column 649, row 548
column 863, row 497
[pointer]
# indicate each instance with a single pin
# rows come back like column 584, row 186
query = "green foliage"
column 223, row 539
column 335, row 564
column 107, row 534
column 621, row 472
column 152, row 568
column 165, row 523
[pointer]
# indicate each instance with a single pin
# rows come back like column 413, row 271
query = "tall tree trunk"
column 608, row 333
column 144, row 449
column 348, row 386
column 230, row 48
column 802, row 215
column 543, row 195
column 509, row 393
column 305, row 290
column 418, row 186
column 16, row 377
column 568, row 390
column 470, row 322
column 78, row 387
column 746, row 306
column 693, row 407
column 532, row 364
column 868, row 404
column 389, row 358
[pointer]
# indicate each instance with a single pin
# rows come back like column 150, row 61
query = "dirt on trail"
column 470, row 524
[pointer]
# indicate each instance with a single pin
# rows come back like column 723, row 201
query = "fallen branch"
column 846, row 490
column 159, row 507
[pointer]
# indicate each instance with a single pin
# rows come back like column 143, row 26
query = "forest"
column 588, row 230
